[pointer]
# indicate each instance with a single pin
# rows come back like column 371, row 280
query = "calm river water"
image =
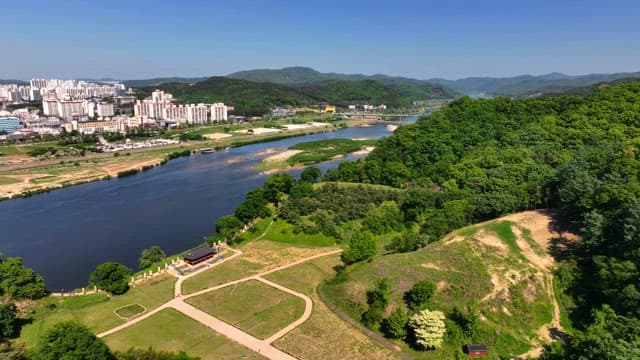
column 64, row 234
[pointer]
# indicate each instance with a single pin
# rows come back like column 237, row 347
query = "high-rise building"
column 105, row 109
column 218, row 112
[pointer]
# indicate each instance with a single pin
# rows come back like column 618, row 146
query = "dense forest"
column 477, row 160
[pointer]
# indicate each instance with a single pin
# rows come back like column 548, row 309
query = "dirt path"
column 539, row 224
column 263, row 347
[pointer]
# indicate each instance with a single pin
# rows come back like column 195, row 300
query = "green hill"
column 257, row 98
column 497, row 273
column 412, row 89
column 249, row 98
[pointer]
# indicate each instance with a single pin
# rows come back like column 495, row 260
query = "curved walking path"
column 263, row 347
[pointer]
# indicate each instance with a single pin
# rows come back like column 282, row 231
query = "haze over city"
column 420, row 39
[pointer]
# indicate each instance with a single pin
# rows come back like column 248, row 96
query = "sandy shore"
column 364, row 151
column 281, row 157
column 265, row 152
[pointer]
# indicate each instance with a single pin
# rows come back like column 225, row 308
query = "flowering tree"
column 429, row 328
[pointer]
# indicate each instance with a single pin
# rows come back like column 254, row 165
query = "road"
column 263, row 347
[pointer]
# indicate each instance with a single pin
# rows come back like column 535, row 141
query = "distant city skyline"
column 419, row 39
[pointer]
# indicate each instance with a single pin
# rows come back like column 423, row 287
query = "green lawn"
column 130, row 311
column 256, row 308
column 95, row 311
column 282, row 232
column 324, row 336
column 259, row 256
column 169, row 330
column 233, row 269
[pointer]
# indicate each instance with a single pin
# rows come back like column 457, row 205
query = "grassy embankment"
column 490, row 269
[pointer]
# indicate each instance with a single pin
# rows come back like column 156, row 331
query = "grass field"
column 324, row 336
column 254, row 307
column 323, row 150
column 282, row 232
column 95, row 311
column 259, row 256
column 130, row 311
column 172, row 331
column 480, row 267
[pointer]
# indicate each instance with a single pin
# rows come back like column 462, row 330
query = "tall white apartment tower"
column 218, row 112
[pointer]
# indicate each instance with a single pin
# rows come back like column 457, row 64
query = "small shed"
column 476, row 350
column 203, row 253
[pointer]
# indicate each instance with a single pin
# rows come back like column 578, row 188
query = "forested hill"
column 297, row 75
column 476, row 160
column 526, row 85
column 257, row 98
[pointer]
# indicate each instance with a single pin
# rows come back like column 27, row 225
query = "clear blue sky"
column 422, row 39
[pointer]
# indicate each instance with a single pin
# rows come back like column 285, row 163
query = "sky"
column 136, row 39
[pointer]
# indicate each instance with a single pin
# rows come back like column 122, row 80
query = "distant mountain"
column 411, row 88
column 159, row 81
column 526, row 85
column 257, row 98
column 10, row 81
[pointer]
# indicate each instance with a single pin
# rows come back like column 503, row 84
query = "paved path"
column 263, row 347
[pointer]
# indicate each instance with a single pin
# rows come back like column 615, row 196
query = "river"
column 65, row 233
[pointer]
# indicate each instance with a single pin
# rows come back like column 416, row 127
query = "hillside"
column 412, row 89
column 249, row 98
column 499, row 272
column 525, row 85
column 257, row 98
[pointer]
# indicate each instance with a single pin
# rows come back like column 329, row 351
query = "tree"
column 276, row 185
column 377, row 301
column 228, row 226
column 111, row 277
column 301, row 189
column 71, row 341
column 19, row 282
column 150, row 354
column 419, row 294
column 8, row 317
column 151, row 256
column 253, row 207
column 428, row 328
column 395, row 326
column 310, row 174
column 361, row 247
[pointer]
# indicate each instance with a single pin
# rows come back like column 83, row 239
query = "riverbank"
column 38, row 176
